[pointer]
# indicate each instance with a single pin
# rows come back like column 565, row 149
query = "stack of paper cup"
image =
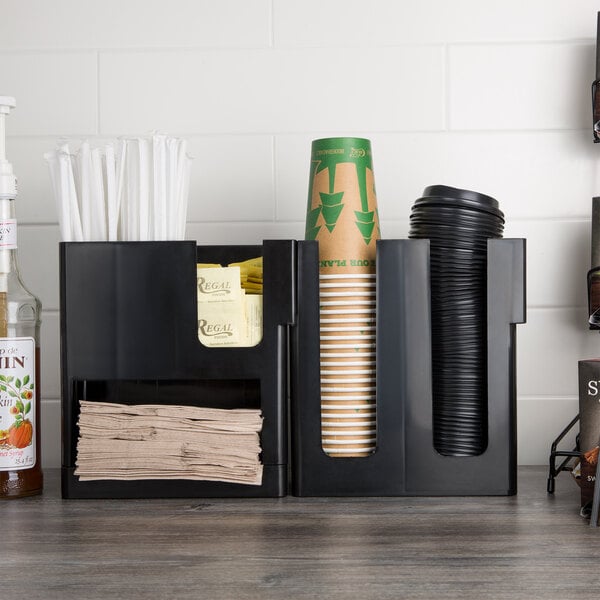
column 342, row 216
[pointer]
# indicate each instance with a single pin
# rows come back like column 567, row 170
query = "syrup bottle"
column 20, row 452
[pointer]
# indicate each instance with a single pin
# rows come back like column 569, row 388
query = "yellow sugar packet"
column 254, row 319
column 252, row 267
column 232, row 324
column 230, row 303
column 255, row 272
column 251, row 262
column 218, row 285
column 221, row 323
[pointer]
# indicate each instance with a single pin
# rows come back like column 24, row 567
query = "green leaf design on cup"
column 366, row 229
column 312, row 229
column 328, row 154
column 331, row 212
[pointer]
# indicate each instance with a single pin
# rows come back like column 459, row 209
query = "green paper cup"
column 342, row 205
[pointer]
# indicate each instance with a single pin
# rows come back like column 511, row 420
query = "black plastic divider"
column 405, row 461
column 129, row 322
column 314, row 473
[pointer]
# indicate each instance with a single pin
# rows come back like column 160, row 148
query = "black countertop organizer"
column 129, row 333
column 405, row 461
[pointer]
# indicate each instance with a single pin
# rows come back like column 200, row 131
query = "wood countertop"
column 528, row 546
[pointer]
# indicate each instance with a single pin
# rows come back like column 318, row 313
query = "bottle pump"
column 8, row 181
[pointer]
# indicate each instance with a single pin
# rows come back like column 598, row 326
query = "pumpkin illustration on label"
column 20, row 433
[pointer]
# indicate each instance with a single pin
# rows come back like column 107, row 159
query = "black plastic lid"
column 467, row 198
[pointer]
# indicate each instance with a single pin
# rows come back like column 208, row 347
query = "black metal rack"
column 567, row 455
column 129, row 333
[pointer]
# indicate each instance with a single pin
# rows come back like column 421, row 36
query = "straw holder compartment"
column 405, row 461
column 129, row 334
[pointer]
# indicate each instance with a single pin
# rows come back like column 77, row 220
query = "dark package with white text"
column 589, row 412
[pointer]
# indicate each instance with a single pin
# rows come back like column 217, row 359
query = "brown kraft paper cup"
column 342, row 216
column 359, row 439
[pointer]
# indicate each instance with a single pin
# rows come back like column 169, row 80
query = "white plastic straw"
column 113, row 232
column 64, row 220
column 98, row 231
column 183, row 196
column 69, row 192
column 160, row 187
column 172, row 173
column 129, row 189
column 84, row 162
column 131, row 208
column 111, row 192
column 182, row 187
column 144, row 191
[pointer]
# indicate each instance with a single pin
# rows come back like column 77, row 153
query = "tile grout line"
column 296, row 221
column 299, row 47
column 379, row 132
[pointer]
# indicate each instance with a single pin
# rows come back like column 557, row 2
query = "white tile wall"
column 36, row 201
column 547, row 415
column 271, row 90
column 558, row 255
column 520, row 86
column 491, row 96
column 549, row 346
column 135, row 24
column 537, row 174
column 57, row 92
column 236, row 169
column 38, row 260
column 50, row 367
column 355, row 23
column 51, row 442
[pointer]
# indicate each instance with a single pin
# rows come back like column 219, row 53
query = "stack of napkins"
column 229, row 305
column 155, row 441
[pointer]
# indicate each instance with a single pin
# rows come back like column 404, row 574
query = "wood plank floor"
column 524, row 547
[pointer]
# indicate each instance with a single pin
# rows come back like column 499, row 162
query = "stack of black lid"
column 458, row 224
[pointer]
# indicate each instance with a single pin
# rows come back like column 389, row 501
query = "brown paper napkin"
column 119, row 441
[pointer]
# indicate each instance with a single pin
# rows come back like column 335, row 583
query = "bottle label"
column 17, row 403
column 8, row 234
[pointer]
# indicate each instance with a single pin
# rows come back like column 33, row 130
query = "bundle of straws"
column 132, row 189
